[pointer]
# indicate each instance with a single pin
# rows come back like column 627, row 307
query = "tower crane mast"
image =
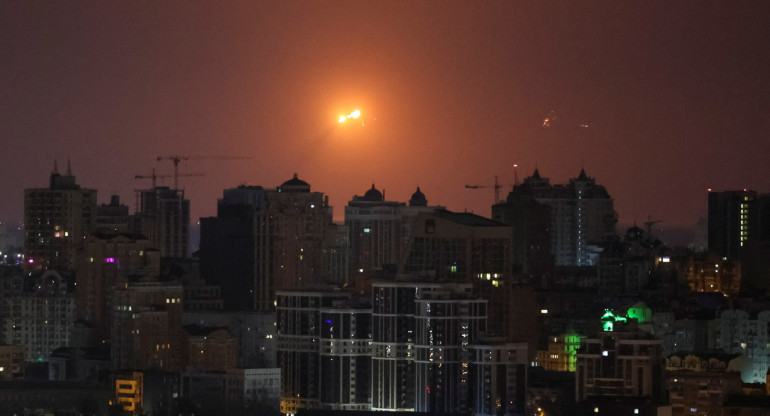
column 497, row 187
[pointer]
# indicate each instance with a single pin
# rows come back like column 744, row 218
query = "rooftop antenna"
column 55, row 167
column 69, row 168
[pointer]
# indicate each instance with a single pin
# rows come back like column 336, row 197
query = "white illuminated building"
column 738, row 333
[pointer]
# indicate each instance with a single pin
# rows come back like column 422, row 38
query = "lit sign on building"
column 128, row 392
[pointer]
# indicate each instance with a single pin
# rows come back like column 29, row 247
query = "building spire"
column 69, row 168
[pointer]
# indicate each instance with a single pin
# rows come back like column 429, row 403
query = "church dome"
column 294, row 185
column 418, row 199
column 373, row 195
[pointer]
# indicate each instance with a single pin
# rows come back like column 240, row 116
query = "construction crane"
column 649, row 223
column 497, row 186
column 177, row 159
column 154, row 176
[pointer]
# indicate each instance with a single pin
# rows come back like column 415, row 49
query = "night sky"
column 675, row 96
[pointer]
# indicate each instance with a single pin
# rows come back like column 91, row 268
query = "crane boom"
column 177, row 159
column 497, row 187
column 155, row 176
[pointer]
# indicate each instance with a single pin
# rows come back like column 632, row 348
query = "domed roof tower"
column 373, row 195
column 418, row 199
column 294, row 185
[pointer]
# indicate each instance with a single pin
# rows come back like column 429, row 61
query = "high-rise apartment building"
column 582, row 215
column 164, row 218
column 267, row 240
column 104, row 261
column 41, row 313
column 235, row 246
column 56, row 219
column 374, row 226
column 446, row 324
column 447, row 246
column 380, row 229
column 147, row 332
column 345, row 355
column 429, row 353
column 300, row 332
column 733, row 221
column 498, row 372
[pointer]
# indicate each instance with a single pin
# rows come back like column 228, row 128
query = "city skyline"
column 450, row 95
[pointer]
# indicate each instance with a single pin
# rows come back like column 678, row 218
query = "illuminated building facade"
column 582, row 215
column 379, row 229
column 422, row 345
column 299, row 332
column 741, row 332
column 249, row 386
column 56, row 219
column 42, row 314
column 129, row 392
column 561, row 354
column 713, row 274
column 621, row 361
column 345, row 355
column 699, row 383
column 498, row 373
column 447, row 322
column 447, row 246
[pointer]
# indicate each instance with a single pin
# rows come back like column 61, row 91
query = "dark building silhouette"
column 113, row 217
column 531, row 222
column 582, row 215
column 379, row 229
column 266, row 240
column 739, row 229
column 229, row 254
column 733, row 221
column 164, row 218
column 56, row 219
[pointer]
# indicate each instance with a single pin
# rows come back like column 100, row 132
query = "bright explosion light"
column 354, row 114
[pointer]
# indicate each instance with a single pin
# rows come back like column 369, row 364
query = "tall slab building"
column 264, row 240
column 56, row 220
column 380, row 229
column 164, row 218
column 582, row 215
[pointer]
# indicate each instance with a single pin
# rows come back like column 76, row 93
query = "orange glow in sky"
column 354, row 114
